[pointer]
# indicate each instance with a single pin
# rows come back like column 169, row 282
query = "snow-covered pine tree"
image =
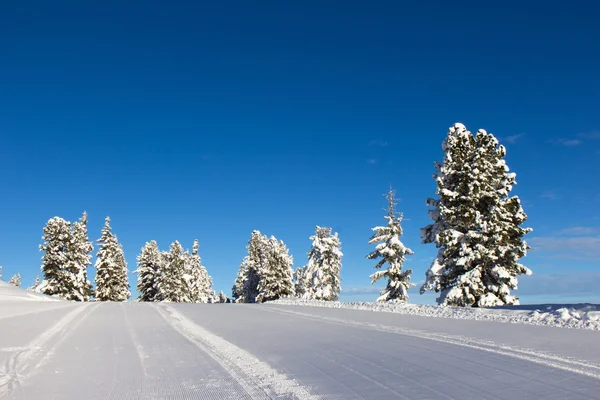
column 79, row 258
column 476, row 225
column 245, row 288
column 322, row 276
column 391, row 251
column 276, row 275
column 222, row 298
column 56, row 279
column 201, row 281
column 111, row 268
column 16, row 280
column 299, row 281
column 172, row 280
column 149, row 265
column 36, row 284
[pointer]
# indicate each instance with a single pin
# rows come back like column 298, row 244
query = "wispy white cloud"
column 354, row 291
column 581, row 248
column 550, row 195
column 578, row 231
column 565, row 285
column 513, row 138
column 590, row 135
column 379, row 143
column 565, row 142
column 372, row 161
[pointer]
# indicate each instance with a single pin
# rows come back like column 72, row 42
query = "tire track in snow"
column 257, row 378
column 24, row 363
column 585, row 368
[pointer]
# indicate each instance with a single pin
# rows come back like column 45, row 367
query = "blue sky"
column 186, row 120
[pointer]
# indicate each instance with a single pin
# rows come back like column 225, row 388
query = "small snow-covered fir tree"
column 111, row 268
column 173, row 279
column 149, row 265
column 299, row 281
column 276, row 275
column 476, row 225
column 245, row 289
column 16, row 280
column 57, row 281
column 36, row 284
column 322, row 274
column 391, row 251
column 79, row 258
column 222, row 298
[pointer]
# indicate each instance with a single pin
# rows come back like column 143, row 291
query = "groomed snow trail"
column 586, row 368
column 258, row 378
column 355, row 361
column 118, row 351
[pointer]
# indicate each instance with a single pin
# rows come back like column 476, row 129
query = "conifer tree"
column 392, row 252
column 245, row 289
column 16, row 280
column 299, row 280
column 476, row 225
column 36, row 284
column 222, row 298
column 111, row 268
column 322, row 274
column 57, row 241
column 79, row 258
column 172, row 279
column 276, row 274
column 149, row 265
column 201, row 282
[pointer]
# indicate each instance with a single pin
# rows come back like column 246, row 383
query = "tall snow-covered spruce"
column 111, row 268
column 80, row 256
column 173, row 280
column 476, row 224
column 56, row 279
column 321, row 280
column 200, row 283
column 245, row 289
column 265, row 273
column 392, row 252
column 149, row 265
column 276, row 275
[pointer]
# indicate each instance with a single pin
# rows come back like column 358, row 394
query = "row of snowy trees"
column 174, row 276
column 476, row 228
column 266, row 272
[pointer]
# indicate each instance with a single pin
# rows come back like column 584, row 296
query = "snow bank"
column 9, row 292
column 578, row 316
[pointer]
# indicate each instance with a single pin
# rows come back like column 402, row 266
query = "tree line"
column 476, row 227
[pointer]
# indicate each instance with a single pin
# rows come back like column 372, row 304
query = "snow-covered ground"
column 581, row 316
column 62, row 350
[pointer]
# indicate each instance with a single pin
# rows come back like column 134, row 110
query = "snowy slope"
column 232, row 351
column 580, row 316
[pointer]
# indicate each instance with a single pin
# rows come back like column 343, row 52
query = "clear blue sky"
column 185, row 120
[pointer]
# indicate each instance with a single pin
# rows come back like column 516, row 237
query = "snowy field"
column 61, row 350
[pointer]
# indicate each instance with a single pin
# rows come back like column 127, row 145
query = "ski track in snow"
column 25, row 362
column 259, row 380
column 577, row 366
